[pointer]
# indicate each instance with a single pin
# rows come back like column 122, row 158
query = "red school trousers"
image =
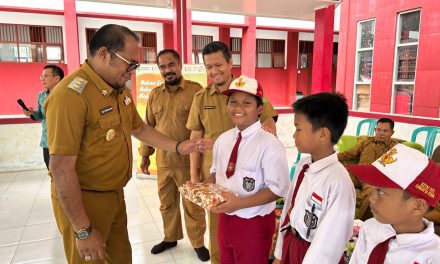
column 244, row 240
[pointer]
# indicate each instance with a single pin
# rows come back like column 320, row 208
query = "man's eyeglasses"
column 131, row 66
column 42, row 77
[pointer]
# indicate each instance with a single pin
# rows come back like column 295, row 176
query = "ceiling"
column 290, row 9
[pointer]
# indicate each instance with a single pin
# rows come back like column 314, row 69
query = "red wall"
column 20, row 80
column 273, row 81
column 427, row 87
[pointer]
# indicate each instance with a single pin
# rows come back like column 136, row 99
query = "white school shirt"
column 333, row 216
column 421, row 248
column 261, row 162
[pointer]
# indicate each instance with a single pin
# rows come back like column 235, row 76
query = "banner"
column 147, row 78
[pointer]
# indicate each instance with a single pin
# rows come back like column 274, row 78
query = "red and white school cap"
column 403, row 168
column 245, row 84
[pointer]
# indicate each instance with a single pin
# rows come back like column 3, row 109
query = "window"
column 198, row 43
column 236, row 51
column 270, row 53
column 405, row 61
column 305, row 52
column 148, row 41
column 25, row 43
column 364, row 65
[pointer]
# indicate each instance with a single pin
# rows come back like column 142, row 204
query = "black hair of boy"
column 168, row 51
column 216, row 46
column 258, row 99
column 328, row 110
column 386, row 120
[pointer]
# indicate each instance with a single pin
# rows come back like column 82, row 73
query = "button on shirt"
column 422, row 248
column 261, row 163
column 332, row 220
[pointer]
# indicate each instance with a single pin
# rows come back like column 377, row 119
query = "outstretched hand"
column 231, row 204
column 193, row 145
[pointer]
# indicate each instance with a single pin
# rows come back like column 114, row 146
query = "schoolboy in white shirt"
column 251, row 163
column 317, row 218
column 407, row 185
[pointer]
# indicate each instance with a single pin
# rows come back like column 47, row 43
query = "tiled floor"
column 28, row 233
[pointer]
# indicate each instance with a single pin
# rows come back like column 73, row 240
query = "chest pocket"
column 109, row 128
column 313, row 212
column 158, row 112
column 183, row 112
column 250, row 181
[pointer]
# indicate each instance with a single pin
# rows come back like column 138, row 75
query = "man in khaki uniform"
column 90, row 119
column 366, row 151
column 167, row 110
column 208, row 119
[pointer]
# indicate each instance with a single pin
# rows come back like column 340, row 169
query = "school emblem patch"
column 311, row 220
column 248, row 184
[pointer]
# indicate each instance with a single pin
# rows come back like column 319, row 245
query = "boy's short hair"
column 328, row 110
column 386, row 120
column 406, row 169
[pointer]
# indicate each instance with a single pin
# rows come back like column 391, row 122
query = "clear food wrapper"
column 206, row 195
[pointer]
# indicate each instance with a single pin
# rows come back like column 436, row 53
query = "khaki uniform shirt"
column 168, row 113
column 208, row 113
column 89, row 119
column 367, row 150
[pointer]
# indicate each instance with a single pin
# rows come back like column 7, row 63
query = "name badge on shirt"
column 209, row 107
column 106, row 110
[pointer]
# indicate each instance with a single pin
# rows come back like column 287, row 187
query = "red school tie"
column 233, row 159
column 379, row 252
column 295, row 192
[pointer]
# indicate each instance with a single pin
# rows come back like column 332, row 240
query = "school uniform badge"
column 310, row 219
column 248, row 184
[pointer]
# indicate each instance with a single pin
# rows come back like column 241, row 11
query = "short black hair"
column 112, row 37
column 386, row 120
column 216, row 46
column 328, row 110
column 165, row 51
column 56, row 70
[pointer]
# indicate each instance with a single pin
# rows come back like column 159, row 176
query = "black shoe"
column 202, row 253
column 162, row 246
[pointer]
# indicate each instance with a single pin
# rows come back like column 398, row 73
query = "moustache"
column 170, row 74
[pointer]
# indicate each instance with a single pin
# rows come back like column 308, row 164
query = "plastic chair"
column 346, row 142
column 436, row 155
column 371, row 125
column 414, row 145
column 432, row 132
column 292, row 169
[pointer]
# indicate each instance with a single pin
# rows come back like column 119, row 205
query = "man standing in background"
column 167, row 111
column 50, row 77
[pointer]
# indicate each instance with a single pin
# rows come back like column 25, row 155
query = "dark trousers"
column 46, row 157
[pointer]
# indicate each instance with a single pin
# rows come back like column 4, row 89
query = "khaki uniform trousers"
column 168, row 182
column 213, row 223
column 107, row 214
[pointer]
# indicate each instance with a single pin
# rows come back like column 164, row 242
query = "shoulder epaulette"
column 78, row 84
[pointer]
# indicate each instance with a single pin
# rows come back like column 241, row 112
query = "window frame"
column 397, row 45
column 356, row 82
column 197, row 51
column 272, row 53
column 44, row 44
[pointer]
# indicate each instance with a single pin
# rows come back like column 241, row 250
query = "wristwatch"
column 83, row 233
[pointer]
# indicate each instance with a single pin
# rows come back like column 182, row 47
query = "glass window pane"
column 264, row 60
column 149, row 55
column 404, row 99
column 236, row 59
column 367, row 34
column 406, row 63
column 278, row 60
column 364, row 67
column 409, row 27
column 362, row 97
column 303, row 60
column 8, row 52
column 53, row 53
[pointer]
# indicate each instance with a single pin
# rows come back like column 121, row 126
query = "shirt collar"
column 322, row 163
column 97, row 80
column 249, row 130
column 415, row 238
